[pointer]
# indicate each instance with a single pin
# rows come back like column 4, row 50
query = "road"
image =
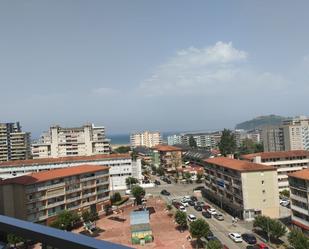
column 219, row 228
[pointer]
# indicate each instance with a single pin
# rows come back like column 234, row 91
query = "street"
column 219, row 228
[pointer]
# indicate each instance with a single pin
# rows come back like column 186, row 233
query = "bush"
column 116, row 197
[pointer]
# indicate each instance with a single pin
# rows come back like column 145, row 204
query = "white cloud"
column 207, row 71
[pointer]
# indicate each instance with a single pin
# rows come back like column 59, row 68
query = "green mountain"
column 261, row 121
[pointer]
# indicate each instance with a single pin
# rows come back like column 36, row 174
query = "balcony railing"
column 53, row 237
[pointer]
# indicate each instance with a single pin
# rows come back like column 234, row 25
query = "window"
column 262, row 181
column 264, row 191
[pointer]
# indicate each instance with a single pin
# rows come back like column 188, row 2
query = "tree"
column 285, row 193
column 130, row 181
column 192, row 142
column 298, row 240
column 65, row 220
column 248, row 146
column 214, row 244
column 89, row 216
column 138, row 192
column 187, row 176
column 14, row 239
column 160, row 171
column 181, row 219
column 122, row 149
column 116, row 197
column 199, row 229
column 272, row 227
column 134, row 155
column 277, row 229
column 169, row 207
column 227, row 144
column 199, row 178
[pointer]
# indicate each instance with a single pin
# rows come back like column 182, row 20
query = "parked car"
column 191, row 217
column 261, row 246
column 210, row 236
column 182, row 209
column 235, row 237
column 168, row 181
column 193, row 198
column 284, row 203
column 206, row 215
column 212, row 211
column 205, row 207
column 185, row 204
column 198, row 208
column 199, row 203
column 249, row 238
column 165, row 192
column 128, row 191
column 185, row 199
column 157, row 182
column 219, row 216
column 191, row 203
column 176, row 204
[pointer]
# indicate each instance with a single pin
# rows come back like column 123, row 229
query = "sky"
column 158, row 65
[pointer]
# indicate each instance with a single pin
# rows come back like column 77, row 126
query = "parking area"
column 116, row 228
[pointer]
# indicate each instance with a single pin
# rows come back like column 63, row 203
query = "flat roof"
column 139, row 217
column 166, row 148
column 302, row 174
column 277, row 154
column 238, row 165
column 68, row 159
column 44, row 176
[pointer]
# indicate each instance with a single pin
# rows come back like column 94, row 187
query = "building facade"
column 14, row 143
column 121, row 167
column 204, row 140
column 292, row 134
column 41, row 196
column 168, row 157
column 146, row 139
column 79, row 141
column 285, row 162
column 242, row 188
column 299, row 195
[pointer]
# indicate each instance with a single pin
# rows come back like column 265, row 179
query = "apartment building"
column 299, row 195
column 146, row 139
column 204, row 140
column 284, row 161
column 78, row 141
column 121, row 166
column 14, row 143
column 40, row 197
column 168, row 157
column 292, row 134
column 242, row 188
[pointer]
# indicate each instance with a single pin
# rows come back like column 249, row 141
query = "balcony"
column 55, row 204
column 299, row 198
column 300, row 220
column 88, row 178
column 102, row 191
column 299, row 209
column 50, row 186
column 102, row 183
column 73, row 199
column 53, row 237
column 89, row 194
column 73, row 190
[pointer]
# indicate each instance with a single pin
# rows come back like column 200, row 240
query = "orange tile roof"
column 238, row 165
column 277, row 154
column 166, row 148
column 63, row 160
column 302, row 174
column 53, row 174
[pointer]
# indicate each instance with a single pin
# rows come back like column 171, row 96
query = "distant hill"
column 261, row 121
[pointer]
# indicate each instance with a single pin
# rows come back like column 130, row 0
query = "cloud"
column 217, row 69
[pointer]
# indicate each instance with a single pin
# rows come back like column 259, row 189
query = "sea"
column 124, row 139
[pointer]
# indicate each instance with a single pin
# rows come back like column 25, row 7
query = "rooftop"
column 277, row 154
column 139, row 217
column 166, row 148
column 59, row 160
column 239, row 165
column 53, row 174
column 302, row 174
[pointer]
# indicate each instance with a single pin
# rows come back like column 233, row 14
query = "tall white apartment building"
column 78, row 141
column 292, row 134
column 146, row 139
column 14, row 143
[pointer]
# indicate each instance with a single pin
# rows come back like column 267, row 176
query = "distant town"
column 222, row 189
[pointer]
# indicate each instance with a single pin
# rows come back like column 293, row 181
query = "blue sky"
column 162, row 65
